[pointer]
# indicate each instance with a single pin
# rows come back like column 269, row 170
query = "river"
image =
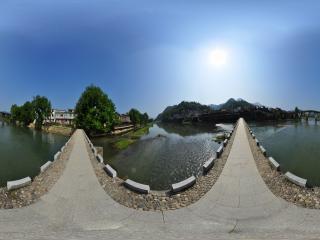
column 295, row 145
column 169, row 153
column 24, row 150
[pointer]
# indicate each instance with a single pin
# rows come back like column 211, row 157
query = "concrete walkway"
column 238, row 206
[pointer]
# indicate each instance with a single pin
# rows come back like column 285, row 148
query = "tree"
column 15, row 113
column 95, row 112
column 27, row 113
column 135, row 116
column 42, row 110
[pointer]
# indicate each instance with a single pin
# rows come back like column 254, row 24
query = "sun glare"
column 218, row 57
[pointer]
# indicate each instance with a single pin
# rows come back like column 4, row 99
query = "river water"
column 169, row 153
column 23, row 151
column 295, row 145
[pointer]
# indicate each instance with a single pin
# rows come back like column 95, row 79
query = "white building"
column 65, row 117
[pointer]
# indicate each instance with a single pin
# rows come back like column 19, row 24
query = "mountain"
column 184, row 111
column 233, row 104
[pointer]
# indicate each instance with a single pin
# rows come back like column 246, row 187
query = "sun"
column 218, row 57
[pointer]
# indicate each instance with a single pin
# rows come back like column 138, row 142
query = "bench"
column 110, row 171
column 11, row 185
column 177, row 187
column 137, row 187
column 219, row 151
column 295, row 179
column 45, row 166
column 263, row 150
column 274, row 164
column 208, row 165
column 56, row 156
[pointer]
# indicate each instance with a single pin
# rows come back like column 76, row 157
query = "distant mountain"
column 184, row 111
column 233, row 104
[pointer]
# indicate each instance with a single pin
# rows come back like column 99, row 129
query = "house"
column 124, row 118
column 64, row 117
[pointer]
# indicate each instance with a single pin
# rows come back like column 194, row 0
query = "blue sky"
column 150, row 54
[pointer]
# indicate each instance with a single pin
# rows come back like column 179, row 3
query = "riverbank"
column 56, row 129
column 159, row 200
column 40, row 185
column 280, row 186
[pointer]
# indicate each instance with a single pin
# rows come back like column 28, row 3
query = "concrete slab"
column 225, row 142
column 45, row 166
column 183, row 185
column 56, row 156
column 274, row 164
column 12, row 185
column 110, row 171
column 137, row 187
column 99, row 158
column 208, row 165
column 296, row 180
column 219, row 151
column 263, row 150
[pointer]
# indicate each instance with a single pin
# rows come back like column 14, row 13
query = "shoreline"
column 159, row 200
column 40, row 185
column 279, row 185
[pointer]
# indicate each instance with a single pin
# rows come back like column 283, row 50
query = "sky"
column 151, row 54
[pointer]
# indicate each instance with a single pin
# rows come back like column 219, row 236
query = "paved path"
column 238, row 206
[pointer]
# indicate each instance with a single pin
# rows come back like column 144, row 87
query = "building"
column 5, row 114
column 124, row 118
column 65, row 117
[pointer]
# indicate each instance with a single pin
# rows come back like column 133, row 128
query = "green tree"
column 26, row 113
column 42, row 110
column 135, row 116
column 145, row 118
column 95, row 112
column 15, row 113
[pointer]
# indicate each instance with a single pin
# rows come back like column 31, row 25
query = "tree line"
column 94, row 112
column 36, row 111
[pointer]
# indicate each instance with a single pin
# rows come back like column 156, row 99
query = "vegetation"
column 138, row 118
column 183, row 111
column 39, row 109
column 130, row 138
column 95, row 112
column 42, row 110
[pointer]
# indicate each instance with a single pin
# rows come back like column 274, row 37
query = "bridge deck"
column 238, row 206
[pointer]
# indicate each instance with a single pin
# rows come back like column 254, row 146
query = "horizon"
column 150, row 55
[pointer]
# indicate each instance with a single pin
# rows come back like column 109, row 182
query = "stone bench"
column 56, row 156
column 137, row 187
column 219, row 151
column 45, row 166
column 295, row 179
column 11, row 185
column 208, row 165
column 225, row 142
column 110, row 171
column 263, row 150
column 178, row 187
column 99, row 158
column 257, row 142
column 274, row 164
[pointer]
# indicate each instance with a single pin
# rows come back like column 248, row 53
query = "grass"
column 130, row 138
column 123, row 143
